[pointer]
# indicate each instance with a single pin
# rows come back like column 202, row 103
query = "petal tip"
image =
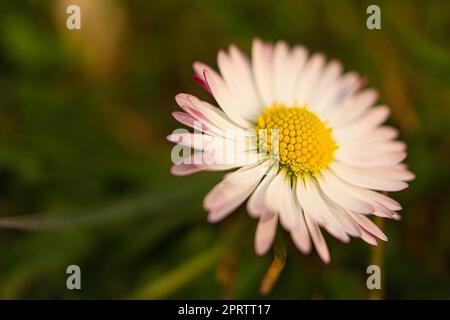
column 260, row 251
column 326, row 260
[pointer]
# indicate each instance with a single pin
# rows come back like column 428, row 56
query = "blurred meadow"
column 84, row 164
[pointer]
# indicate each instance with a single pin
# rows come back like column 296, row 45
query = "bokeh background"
column 84, row 164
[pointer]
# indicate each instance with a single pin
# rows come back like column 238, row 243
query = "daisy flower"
column 326, row 154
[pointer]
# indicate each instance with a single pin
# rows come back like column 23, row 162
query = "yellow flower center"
column 301, row 141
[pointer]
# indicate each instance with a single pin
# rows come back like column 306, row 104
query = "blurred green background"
column 84, row 164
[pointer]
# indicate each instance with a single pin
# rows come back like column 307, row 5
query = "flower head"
column 307, row 142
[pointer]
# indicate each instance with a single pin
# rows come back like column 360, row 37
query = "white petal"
column 308, row 78
column 347, row 222
column 390, row 159
column 265, row 234
column 274, row 193
column 232, row 198
column 359, row 177
column 306, row 202
column 369, row 196
column 389, row 203
column 184, row 118
column 333, row 189
column 317, row 239
column 327, row 80
column 225, row 99
column 282, row 75
column 395, row 172
column 205, row 112
column 368, row 225
column 262, row 71
column 197, row 123
column 372, row 118
column 237, row 76
column 359, row 104
column 368, row 237
column 187, row 169
column 278, row 198
column 290, row 212
column 218, row 150
column 372, row 149
column 255, row 205
column 379, row 134
column 195, row 140
column 200, row 68
column 232, row 192
column 245, row 174
column 383, row 211
column 316, row 204
column 246, row 74
column 222, row 191
column 300, row 235
column 371, row 154
column 338, row 96
column 396, row 216
column 293, row 66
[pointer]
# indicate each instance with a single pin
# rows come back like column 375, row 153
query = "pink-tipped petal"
column 265, row 234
